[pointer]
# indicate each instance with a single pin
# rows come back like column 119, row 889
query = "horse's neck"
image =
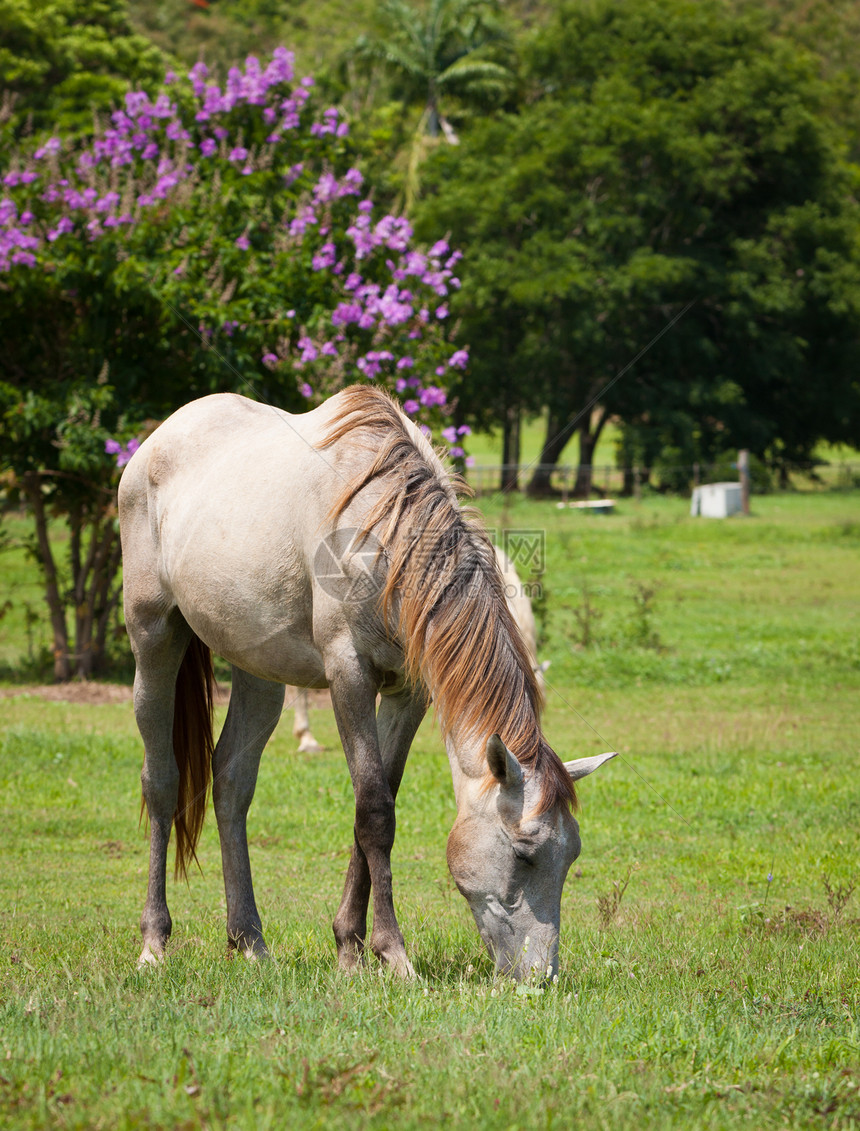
column 467, row 761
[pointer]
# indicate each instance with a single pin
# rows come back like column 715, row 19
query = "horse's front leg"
column 376, row 760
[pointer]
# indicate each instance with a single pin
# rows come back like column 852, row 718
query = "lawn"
column 710, row 939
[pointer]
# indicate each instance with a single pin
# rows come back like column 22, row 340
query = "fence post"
column 744, row 473
column 637, row 484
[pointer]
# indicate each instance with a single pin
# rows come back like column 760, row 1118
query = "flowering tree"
column 205, row 238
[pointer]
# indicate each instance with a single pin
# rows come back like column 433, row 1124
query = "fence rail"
column 608, row 480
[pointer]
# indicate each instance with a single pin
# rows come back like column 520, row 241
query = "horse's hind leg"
column 302, row 725
column 255, row 707
column 159, row 642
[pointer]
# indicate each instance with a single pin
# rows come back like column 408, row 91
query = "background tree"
column 62, row 60
column 671, row 154
column 446, row 58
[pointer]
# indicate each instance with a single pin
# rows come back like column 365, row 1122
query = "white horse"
column 330, row 550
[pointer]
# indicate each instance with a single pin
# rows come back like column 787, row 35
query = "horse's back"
column 221, row 509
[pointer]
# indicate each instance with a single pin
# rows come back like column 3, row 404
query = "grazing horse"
column 330, row 550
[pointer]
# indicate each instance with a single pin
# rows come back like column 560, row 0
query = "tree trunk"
column 554, row 445
column 589, row 433
column 510, row 448
column 92, row 579
column 585, row 468
column 107, row 600
column 62, row 668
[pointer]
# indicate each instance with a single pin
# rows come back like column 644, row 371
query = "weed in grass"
column 642, row 631
column 588, row 617
column 838, row 894
column 608, row 905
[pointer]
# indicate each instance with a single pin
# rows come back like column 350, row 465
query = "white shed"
column 716, row 500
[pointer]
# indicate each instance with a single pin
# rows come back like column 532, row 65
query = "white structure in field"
column 716, row 500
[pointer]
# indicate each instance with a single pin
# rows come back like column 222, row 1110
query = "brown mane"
column 444, row 587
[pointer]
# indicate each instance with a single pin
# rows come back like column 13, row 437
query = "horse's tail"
column 193, row 746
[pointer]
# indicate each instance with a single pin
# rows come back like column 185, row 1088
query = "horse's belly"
column 258, row 619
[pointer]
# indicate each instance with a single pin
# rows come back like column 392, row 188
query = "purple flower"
column 459, row 359
column 450, row 434
column 52, row 145
column 411, row 407
column 442, row 311
column 325, row 257
column 242, row 242
column 123, row 454
column 270, row 360
column 432, row 397
column 309, row 350
column 306, row 390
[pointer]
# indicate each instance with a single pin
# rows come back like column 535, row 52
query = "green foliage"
column 673, row 162
column 64, row 60
column 222, row 34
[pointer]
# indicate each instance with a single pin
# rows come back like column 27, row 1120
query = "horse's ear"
column 503, row 765
column 582, row 767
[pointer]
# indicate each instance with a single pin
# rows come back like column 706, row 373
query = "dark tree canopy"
column 670, row 153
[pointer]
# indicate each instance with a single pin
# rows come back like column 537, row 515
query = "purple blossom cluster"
column 122, row 452
column 389, row 299
column 152, row 132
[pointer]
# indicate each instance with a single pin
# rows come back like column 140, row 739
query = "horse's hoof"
column 150, row 957
column 405, row 970
column 257, row 954
column 350, row 958
column 252, row 948
column 397, row 963
column 309, row 745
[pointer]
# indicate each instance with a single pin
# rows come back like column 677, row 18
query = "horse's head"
column 511, row 865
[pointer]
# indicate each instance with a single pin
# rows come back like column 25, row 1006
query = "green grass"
column 709, row 997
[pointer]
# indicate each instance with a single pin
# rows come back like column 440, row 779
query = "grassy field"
column 719, row 988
